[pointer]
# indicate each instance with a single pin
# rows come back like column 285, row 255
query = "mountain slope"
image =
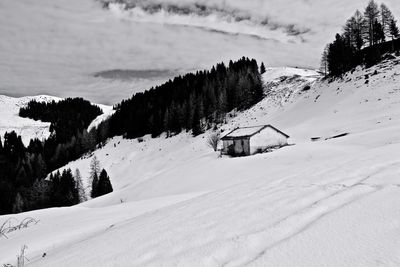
column 27, row 128
column 176, row 203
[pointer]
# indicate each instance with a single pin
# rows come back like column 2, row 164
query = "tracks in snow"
column 294, row 224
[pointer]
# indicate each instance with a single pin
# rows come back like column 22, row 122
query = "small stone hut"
column 245, row 141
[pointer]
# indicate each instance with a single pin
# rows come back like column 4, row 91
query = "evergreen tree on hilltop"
column 68, row 185
column 386, row 18
column 393, row 29
column 324, row 61
column 64, row 191
column 13, row 147
column 363, row 41
column 94, row 176
column 95, row 183
column 104, row 185
column 189, row 102
column 339, row 56
column 94, row 167
column 69, row 138
column 39, row 195
column 23, row 171
column 354, row 29
column 371, row 14
column 66, row 117
column 379, row 34
column 197, row 125
column 79, row 186
column 262, row 68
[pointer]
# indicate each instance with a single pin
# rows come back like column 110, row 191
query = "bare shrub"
column 213, row 140
column 13, row 224
column 21, row 257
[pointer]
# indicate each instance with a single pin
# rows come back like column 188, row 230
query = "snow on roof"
column 246, row 131
column 249, row 131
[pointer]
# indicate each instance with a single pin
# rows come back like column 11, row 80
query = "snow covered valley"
column 333, row 202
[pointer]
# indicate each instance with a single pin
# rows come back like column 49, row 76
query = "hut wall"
column 237, row 147
column 225, row 146
column 242, row 147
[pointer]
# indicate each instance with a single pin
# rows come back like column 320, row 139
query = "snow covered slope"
column 27, row 128
column 334, row 202
column 107, row 112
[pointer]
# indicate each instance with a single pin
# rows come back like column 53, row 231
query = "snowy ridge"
column 108, row 111
column 176, row 203
column 283, row 84
column 276, row 74
column 27, row 128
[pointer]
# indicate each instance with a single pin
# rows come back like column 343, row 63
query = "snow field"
column 176, row 203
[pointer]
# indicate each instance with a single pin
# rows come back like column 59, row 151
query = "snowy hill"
column 333, row 202
column 28, row 128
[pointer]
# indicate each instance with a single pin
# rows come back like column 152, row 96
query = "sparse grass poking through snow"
column 12, row 225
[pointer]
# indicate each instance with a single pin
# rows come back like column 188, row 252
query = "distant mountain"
column 27, row 128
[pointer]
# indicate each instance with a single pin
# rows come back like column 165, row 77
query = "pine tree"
column 358, row 29
column 103, row 131
column 386, row 18
column 167, row 122
column 353, row 30
column 21, row 178
column 39, row 195
column 371, row 14
column 13, row 146
column 379, row 34
column 340, row 56
column 197, row 116
column 104, row 185
column 94, row 167
column 18, row 205
column 7, row 196
column 39, row 166
column 69, row 194
column 262, row 68
column 394, row 30
column 324, row 61
column 79, row 186
column 95, row 182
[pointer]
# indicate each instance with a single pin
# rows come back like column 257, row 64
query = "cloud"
column 55, row 46
column 127, row 75
column 281, row 19
column 218, row 16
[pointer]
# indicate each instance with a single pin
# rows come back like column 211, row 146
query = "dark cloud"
column 293, row 30
column 225, row 13
column 126, row 75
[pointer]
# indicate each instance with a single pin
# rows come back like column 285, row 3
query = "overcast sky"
column 56, row 46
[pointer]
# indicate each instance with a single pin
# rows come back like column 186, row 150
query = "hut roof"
column 247, row 132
